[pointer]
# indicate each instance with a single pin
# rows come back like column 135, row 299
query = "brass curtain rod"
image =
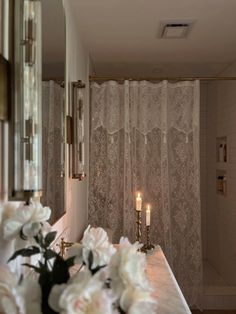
column 173, row 78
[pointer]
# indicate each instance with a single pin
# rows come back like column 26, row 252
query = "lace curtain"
column 145, row 137
column 52, row 139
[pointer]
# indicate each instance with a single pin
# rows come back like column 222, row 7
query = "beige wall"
column 220, row 215
column 203, row 148
column 77, row 68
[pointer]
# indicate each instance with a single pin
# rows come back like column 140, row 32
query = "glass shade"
column 27, row 151
column 78, row 139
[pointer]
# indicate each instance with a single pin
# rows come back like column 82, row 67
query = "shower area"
column 144, row 137
column 218, row 194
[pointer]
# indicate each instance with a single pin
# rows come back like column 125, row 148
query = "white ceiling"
column 122, row 35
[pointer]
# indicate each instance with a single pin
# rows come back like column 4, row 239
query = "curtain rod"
column 170, row 78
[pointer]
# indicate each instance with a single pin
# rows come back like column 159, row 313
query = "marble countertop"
column 166, row 289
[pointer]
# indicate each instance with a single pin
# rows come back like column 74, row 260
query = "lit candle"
column 138, row 202
column 148, row 215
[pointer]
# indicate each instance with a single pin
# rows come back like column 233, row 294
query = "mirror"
column 53, row 106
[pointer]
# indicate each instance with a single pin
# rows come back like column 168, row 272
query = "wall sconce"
column 4, row 89
column 76, row 130
column 26, row 126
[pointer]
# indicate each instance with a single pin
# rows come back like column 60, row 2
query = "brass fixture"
column 76, row 130
column 25, row 127
column 148, row 246
column 79, row 176
column 69, row 130
column 63, row 246
column 138, row 236
column 4, row 88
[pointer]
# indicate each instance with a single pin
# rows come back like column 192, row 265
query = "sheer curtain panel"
column 145, row 137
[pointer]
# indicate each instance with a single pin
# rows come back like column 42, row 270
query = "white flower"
column 83, row 295
column 31, row 292
column 136, row 301
column 76, row 250
column 14, row 297
column 7, row 210
column 128, row 268
column 55, row 295
column 96, row 240
column 8, row 300
column 26, row 222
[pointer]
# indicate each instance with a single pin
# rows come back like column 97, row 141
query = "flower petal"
column 55, row 295
column 11, row 228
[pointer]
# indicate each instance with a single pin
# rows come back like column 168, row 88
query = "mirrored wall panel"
column 53, row 107
column 26, row 129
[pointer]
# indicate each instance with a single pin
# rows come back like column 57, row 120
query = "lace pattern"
column 53, row 183
column 145, row 136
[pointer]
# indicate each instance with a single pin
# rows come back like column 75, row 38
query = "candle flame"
column 148, row 207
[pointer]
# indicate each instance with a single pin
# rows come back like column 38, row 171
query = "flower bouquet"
column 95, row 277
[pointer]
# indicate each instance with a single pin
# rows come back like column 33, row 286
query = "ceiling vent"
column 175, row 29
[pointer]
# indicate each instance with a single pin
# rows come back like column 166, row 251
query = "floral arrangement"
column 107, row 280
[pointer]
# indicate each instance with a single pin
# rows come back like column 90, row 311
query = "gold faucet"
column 63, row 245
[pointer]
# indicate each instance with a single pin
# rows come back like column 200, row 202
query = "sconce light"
column 4, row 88
column 76, row 130
column 26, row 129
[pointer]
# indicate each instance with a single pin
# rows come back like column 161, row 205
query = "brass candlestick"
column 138, row 226
column 148, row 245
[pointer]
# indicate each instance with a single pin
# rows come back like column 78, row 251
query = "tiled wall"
column 218, row 118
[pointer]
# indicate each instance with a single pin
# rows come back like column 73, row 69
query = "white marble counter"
column 166, row 289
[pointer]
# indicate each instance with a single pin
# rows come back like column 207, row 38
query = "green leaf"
column 70, row 261
column 50, row 237
column 93, row 271
column 21, row 279
column 39, row 239
column 120, row 310
column 32, row 250
column 41, row 264
column 22, row 235
column 90, row 260
column 60, row 271
column 48, row 254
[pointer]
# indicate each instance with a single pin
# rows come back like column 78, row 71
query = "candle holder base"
column 143, row 249
column 148, row 246
column 138, row 236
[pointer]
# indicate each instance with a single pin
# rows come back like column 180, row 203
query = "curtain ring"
column 164, row 137
column 186, row 138
column 145, row 139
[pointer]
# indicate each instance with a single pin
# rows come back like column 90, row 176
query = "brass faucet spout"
column 63, row 246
